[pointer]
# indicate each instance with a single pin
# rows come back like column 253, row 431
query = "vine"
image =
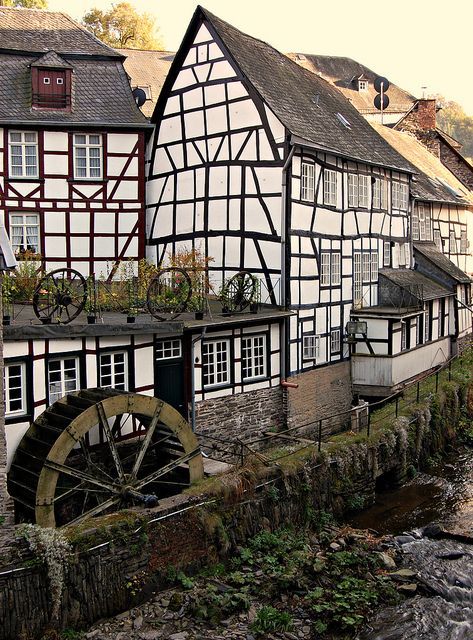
column 52, row 548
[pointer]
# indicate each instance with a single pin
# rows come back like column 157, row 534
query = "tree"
column 453, row 120
column 123, row 26
column 27, row 4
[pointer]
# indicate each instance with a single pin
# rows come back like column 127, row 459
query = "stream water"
column 444, row 564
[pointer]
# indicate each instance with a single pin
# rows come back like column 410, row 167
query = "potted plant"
column 8, row 294
column 90, row 306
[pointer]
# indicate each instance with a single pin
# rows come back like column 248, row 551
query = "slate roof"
column 343, row 73
column 101, row 92
column 433, row 176
column 40, row 31
column 416, row 283
column 147, row 69
column 306, row 104
column 53, row 60
column 431, row 252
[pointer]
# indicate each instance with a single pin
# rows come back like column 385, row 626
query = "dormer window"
column 51, row 78
column 362, row 85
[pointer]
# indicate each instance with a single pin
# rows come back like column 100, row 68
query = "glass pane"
column 30, row 136
column 15, row 136
column 79, row 139
column 94, row 140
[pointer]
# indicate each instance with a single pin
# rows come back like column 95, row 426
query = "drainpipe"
column 411, row 239
column 283, row 368
column 193, row 342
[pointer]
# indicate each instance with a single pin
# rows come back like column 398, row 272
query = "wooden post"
column 418, row 391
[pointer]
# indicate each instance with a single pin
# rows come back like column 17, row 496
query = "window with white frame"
column 113, row 370
column 400, row 195
column 63, row 377
column 335, row 269
column 438, row 239
column 324, row 269
column 415, row 223
column 307, row 181
column 87, row 155
column 23, row 147
column 168, row 349
column 453, row 242
column 362, row 85
column 366, row 267
column 424, row 222
column 14, row 389
column 374, row 266
column 427, row 323
column 463, row 241
column 357, row 279
column 363, row 191
column 253, row 357
column 352, row 190
column 216, row 362
column 387, row 254
column 24, row 232
column 402, row 254
column 380, row 193
column 310, row 347
column 330, row 187
column 330, row 268
column 403, row 335
column 335, row 341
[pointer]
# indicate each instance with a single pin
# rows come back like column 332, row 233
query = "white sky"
column 414, row 43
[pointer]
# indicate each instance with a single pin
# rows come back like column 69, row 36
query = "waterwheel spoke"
column 90, row 463
column 166, row 469
column 80, row 475
column 103, row 506
column 146, row 441
column 111, row 442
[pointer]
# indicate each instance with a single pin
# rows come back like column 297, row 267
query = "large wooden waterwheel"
column 99, row 450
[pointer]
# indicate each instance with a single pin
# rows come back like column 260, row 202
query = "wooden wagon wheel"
column 169, row 293
column 99, row 450
column 61, row 295
column 239, row 291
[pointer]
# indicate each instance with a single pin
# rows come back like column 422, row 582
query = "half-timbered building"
column 265, row 166
column 72, row 145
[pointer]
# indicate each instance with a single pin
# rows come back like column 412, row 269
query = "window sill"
column 24, row 179
column 17, row 417
column 88, row 180
column 255, row 379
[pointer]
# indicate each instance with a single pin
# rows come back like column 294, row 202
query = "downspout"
column 411, row 239
column 193, row 342
column 283, row 294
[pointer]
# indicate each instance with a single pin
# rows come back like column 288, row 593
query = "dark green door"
column 169, row 383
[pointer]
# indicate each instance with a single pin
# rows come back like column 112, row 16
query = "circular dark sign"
column 139, row 96
column 377, row 101
column 380, row 80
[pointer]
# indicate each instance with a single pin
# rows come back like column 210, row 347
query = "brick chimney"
column 421, row 122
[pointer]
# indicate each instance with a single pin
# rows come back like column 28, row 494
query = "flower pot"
column 91, row 319
column 6, row 319
column 130, row 319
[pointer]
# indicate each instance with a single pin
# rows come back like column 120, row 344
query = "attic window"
column 362, row 85
column 343, row 120
column 51, row 88
column 46, row 80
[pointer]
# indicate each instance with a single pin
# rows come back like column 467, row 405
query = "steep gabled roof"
column 38, row 31
column 343, row 72
column 434, row 181
column 51, row 60
column 306, row 104
column 430, row 251
column 147, row 69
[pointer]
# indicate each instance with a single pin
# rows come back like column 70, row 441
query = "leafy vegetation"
column 453, row 120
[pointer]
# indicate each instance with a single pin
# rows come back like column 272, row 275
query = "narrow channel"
column 441, row 555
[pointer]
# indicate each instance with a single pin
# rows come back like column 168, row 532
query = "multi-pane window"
column 63, row 377
column 113, row 370
column 387, row 254
column 453, row 242
column 216, row 362
column 335, row 341
column 329, row 268
column 14, row 389
column 424, row 223
column 463, row 241
column 400, row 193
column 23, row 154
column 330, row 187
column 168, row 349
column 352, row 190
column 362, row 85
column 427, row 323
column 366, row 267
column 415, row 223
column 438, row 238
column 402, row 254
column 307, row 181
column 379, row 193
column 374, row 266
column 253, row 357
column 357, row 279
column 403, row 336
column 363, row 191
column 24, row 232
column 87, row 155
column 310, row 347
column 325, row 269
